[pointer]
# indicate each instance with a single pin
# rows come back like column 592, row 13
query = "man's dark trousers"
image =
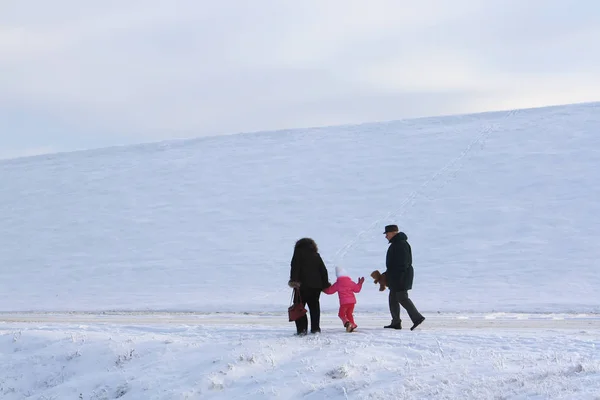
column 400, row 298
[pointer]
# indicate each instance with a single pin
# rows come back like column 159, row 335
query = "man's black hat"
column 391, row 228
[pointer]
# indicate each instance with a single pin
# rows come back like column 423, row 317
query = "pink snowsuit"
column 345, row 287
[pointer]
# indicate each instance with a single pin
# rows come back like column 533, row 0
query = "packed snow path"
column 436, row 322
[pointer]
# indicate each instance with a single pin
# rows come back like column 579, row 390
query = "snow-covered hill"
column 501, row 210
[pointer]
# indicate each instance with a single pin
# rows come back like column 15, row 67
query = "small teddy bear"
column 380, row 278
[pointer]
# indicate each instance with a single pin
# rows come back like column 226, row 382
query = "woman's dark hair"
column 306, row 245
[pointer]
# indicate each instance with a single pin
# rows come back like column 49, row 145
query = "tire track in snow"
column 451, row 168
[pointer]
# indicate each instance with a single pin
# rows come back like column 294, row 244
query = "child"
column 346, row 289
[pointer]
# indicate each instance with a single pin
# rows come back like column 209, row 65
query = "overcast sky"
column 82, row 74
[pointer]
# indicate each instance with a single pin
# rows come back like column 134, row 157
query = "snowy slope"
column 500, row 208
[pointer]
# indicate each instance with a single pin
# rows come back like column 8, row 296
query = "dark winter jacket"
column 308, row 268
column 398, row 262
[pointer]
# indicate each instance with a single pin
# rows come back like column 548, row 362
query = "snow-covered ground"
column 159, row 271
column 256, row 357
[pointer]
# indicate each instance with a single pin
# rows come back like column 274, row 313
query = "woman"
column 308, row 272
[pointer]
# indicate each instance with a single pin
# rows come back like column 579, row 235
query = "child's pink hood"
column 346, row 288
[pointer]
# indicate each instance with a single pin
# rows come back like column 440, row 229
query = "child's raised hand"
column 361, row 280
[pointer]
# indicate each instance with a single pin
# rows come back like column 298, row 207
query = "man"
column 399, row 273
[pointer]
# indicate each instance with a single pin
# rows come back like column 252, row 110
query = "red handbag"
column 296, row 310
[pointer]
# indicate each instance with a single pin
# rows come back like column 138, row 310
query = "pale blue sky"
column 77, row 75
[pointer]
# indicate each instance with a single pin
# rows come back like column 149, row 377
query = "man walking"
column 399, row 273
